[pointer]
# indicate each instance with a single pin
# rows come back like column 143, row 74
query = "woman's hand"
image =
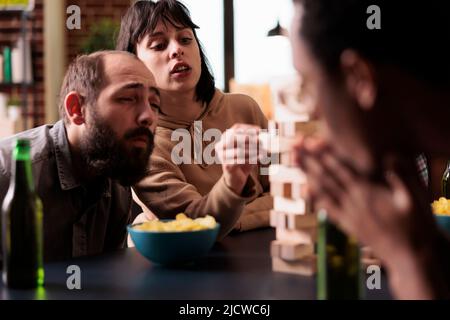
column 238, row 153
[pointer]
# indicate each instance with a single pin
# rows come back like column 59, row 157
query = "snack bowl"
column 173, row 247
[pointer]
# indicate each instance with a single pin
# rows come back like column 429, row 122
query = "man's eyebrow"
column 155, row 91
column 132, row 85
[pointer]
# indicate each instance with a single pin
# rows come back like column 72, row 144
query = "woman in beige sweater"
column 184, row 176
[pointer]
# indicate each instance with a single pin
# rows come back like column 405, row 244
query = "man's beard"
column 107, row 156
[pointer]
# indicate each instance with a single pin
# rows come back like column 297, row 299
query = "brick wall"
column 92, row 11
column 10, row 24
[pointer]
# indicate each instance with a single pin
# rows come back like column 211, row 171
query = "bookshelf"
column 16, row 24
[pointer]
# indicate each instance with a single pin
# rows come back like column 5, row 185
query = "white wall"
column 259, row 58
column 208, row 15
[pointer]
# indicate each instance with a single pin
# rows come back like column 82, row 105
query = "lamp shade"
column 277, row 31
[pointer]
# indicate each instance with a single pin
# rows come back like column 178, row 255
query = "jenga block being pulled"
column 306, row 235
column 290, row 251
column 292, row 221
column 305, row 267
column 274, row 143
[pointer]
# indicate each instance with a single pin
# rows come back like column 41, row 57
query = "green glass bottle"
column 339, row 269
column 22, row 225
column 446, row 182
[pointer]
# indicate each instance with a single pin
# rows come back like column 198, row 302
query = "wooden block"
column 287, row 159
column 275, row 144
column 297, row 206
column 305, row 235
column 304, row 267
column 292, row 221
column 288, row 190
column 290, row 251
column 277, row 220
column 293, row 128
column 280, row 173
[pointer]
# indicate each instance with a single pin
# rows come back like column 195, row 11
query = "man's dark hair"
column 414, row 36
column 141, row 19
column 85, row 75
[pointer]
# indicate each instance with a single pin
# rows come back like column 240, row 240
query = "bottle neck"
column 21, row 170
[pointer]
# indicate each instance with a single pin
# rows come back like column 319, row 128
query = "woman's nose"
column 176, row 52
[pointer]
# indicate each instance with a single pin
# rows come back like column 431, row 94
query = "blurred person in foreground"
column 385, row 97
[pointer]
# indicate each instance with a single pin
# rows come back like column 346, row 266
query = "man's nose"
column 147, row 117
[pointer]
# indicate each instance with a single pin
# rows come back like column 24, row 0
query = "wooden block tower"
column 293, row 251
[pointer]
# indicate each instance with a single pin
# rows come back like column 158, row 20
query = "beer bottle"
column 22, row 226
column 339, row 268
column 446, row 182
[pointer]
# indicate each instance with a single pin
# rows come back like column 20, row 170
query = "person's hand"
column 392, row 215
column 238, row 153
column 377, row 213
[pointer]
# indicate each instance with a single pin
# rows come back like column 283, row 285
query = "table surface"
column 237, row 268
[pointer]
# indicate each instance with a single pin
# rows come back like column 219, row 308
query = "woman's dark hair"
column 141, row 19
column 414, row 35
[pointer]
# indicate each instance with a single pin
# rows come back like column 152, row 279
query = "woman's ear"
column 360, row 80
column 73, row 105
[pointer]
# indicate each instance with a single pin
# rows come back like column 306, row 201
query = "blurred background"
column 245, row 42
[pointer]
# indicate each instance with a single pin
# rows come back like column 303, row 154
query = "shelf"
column 14, row 85
column 18, row 13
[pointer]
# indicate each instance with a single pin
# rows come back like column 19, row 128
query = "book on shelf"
column 21, row 62
column 1, row 68
column 7, row 76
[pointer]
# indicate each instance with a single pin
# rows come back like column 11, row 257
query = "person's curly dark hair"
column 414, row 35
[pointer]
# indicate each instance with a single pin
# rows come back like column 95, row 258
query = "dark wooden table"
column 237, row 268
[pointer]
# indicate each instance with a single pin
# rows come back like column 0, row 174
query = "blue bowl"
column 173, row 248
column 444, row 222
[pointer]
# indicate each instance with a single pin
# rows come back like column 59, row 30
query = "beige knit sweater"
column 198, row 189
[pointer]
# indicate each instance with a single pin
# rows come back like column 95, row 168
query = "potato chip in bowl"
column 181, row 223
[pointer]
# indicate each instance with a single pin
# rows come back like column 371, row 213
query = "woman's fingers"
column 321, row 183
column 239, row 145
column 400, row 193
column 340, row 172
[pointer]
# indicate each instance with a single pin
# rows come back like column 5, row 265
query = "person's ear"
column 73, row 105
column 360, row 79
